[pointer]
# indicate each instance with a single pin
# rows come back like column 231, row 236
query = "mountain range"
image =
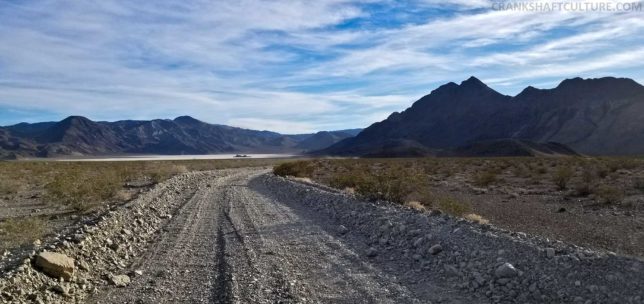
column 78, row 136
column 603, row 116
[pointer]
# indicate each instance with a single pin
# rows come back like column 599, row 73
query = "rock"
column 506, row 271
column 83, row 265
column 436, row 249
column 451, row 270
column 120, row 280
column 372, row 252
column 550, row 253
column 61, row 289
column 56, row 265
column 343, row 230
column 418, row 242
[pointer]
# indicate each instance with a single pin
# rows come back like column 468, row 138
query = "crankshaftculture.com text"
column 568, row 6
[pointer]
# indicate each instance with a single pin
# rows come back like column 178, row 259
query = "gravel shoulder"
column 246, row 236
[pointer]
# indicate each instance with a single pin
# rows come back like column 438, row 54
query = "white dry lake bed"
column 176, row 157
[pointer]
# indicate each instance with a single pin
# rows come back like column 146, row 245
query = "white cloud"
column 288, row 65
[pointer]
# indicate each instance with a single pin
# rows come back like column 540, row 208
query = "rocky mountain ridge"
column 603, row 116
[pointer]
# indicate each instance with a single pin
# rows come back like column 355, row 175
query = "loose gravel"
column 246, row 236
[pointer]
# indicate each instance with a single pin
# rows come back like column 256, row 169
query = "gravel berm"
column 246, row 236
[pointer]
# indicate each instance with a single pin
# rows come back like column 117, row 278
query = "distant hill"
column 325, row 139
column 78, row 135
column 509, row 147
column 602, row 116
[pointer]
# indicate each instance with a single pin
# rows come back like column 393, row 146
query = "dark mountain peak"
column 74, row 118
column 473, row 82
column 529, row 91
column 570, row 82
column 445, row 88
column 74, row 121
column 187, row 120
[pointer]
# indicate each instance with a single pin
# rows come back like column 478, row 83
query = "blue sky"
column 290, row 66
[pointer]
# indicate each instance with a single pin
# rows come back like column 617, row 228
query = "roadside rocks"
column 56, row 265
column 488, row 264
column 119, row 280
column 550, row 253
column 506, row 271
column 436, row 249
column 84, row 260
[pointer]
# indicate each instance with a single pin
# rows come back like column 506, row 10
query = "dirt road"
column 246, row 236
column 231, row 244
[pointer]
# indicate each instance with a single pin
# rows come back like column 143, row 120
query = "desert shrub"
column 603, row 172
column 20, row 231
column 588, row 176
column 638, row 184
column 83, row 190
column 609, row 195
column 473, row 217
column 452, row 205
column 562, row 177
column 486, row 178
column 10, row 186
column 345, row 180
column 583, row 189
column 391, row 183
column 296, row 169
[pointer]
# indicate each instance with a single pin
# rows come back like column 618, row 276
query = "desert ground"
column 498, row 230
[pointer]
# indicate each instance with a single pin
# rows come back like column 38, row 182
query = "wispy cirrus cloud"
column 288, row 66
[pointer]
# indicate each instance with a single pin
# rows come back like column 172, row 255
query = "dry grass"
column 485, row 178
column 562, row 177
column 475, row 218
column 16, row 232
column 638, row 184
column 296, row 169
column 609, row 195
column 83, row 187
column 416, row 205
column 10, row 186
column 451, row 205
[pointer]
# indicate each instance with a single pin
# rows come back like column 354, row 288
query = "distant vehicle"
column 241, row 155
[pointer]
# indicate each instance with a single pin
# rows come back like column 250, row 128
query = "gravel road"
column 246, row 236
column 231, row 244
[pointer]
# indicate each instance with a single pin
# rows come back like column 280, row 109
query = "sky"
column 295, row 66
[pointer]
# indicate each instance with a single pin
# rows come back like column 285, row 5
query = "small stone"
column 550, row 253
column 533, row 287
column 451, row 270
column 61, row 289
column 436, row 249
column 506, row 271
column 120, row 280
column 343, row 230
column 83, row 265
column 372, row 252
